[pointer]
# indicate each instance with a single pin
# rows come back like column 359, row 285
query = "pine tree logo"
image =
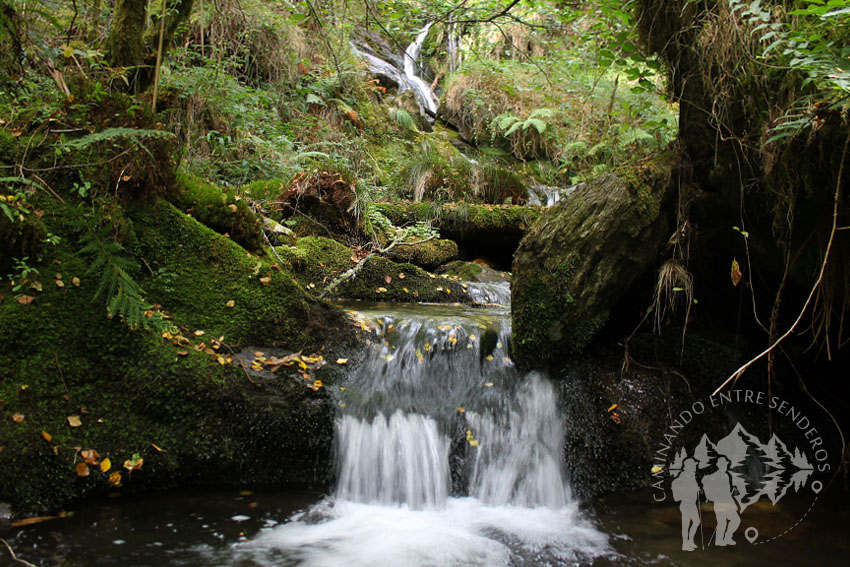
column 734, row 473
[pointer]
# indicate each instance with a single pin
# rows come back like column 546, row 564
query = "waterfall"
column 407, row 78
column 420, row 88
column 446, row 455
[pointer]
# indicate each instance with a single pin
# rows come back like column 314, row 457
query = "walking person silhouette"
column 686, row 491
column 718, row 489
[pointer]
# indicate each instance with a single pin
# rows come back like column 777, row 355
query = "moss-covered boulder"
column 475, row 271
column 315, row 261
column 583, row 256
column 72, row 379
column 219, row 209
column 380, row 279
column 429, row 254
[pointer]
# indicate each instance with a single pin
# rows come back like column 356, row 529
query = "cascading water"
column 445, row 456
column 421, row 88
column 407, row 78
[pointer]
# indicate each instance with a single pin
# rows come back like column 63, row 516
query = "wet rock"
column 582, row 257
column 429, row 254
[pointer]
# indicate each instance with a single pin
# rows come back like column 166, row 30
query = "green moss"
column 316, row 260
column 266, row 189
column 467, row 271
column 218, row 209
column 61, row 356
column 430, row 254
column 463, row 217
column 416, row 285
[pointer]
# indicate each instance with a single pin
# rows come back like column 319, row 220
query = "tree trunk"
column 126, row 35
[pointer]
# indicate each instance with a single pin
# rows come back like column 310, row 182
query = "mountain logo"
column 732, row 474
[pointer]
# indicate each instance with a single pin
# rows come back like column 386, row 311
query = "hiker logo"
column 735, row 472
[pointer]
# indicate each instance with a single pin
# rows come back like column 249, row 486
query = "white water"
column 421, row 88
column 408, row 78
column 495, row 293
column 438, row 404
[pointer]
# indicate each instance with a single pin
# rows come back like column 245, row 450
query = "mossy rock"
column 474, row 272
column 315, row 260
column 408, row 283
column 497, row 225
column 583, row 257
column 606, row 453
column 219, row 209
column 429, row 254
column 60, row 356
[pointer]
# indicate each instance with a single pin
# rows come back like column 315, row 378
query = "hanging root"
column 675, row 287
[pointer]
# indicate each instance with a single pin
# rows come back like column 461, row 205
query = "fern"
column 122, row 292
column 113, row 134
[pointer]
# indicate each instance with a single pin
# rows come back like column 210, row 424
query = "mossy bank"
column 189, row 410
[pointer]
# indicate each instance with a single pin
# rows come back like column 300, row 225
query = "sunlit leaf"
column 341, row 360
column 105, row 465
column 736, row 273
column 657, row 469
column 90, row 456
column 134, row 463
column 230, row 303
column 115, row 478
column 74, row 421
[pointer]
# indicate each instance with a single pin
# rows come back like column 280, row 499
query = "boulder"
column 428, row 254
column 584, row 255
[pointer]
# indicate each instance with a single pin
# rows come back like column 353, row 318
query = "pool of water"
column 250, row 528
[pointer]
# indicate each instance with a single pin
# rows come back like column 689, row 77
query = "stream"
column 445, row 456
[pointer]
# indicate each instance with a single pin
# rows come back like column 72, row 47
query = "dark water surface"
column 207, row 528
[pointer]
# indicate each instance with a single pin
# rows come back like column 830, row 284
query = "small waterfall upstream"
column 445, row 455
column 407, row 78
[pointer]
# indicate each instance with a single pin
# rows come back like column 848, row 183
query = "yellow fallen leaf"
column 613, row 407
column 461, row 410
column 489, row 357
column 401, row 275
column 24, row 387
column 657, row 469
column 115, row 478
column 182, row 353
column 76, row 281
column 74, row 421
column 134, row 463
column 47, row 436
column 221, row 360
column 199, row 333
column 158, row 449
column 105, row 465
column 318, row 383
column 381, row 290
column 90, row 456
column 488, row 384
column 341, row 360
column 60, row 283
column 230, row 303
column 233, row 207
column 266, row 280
